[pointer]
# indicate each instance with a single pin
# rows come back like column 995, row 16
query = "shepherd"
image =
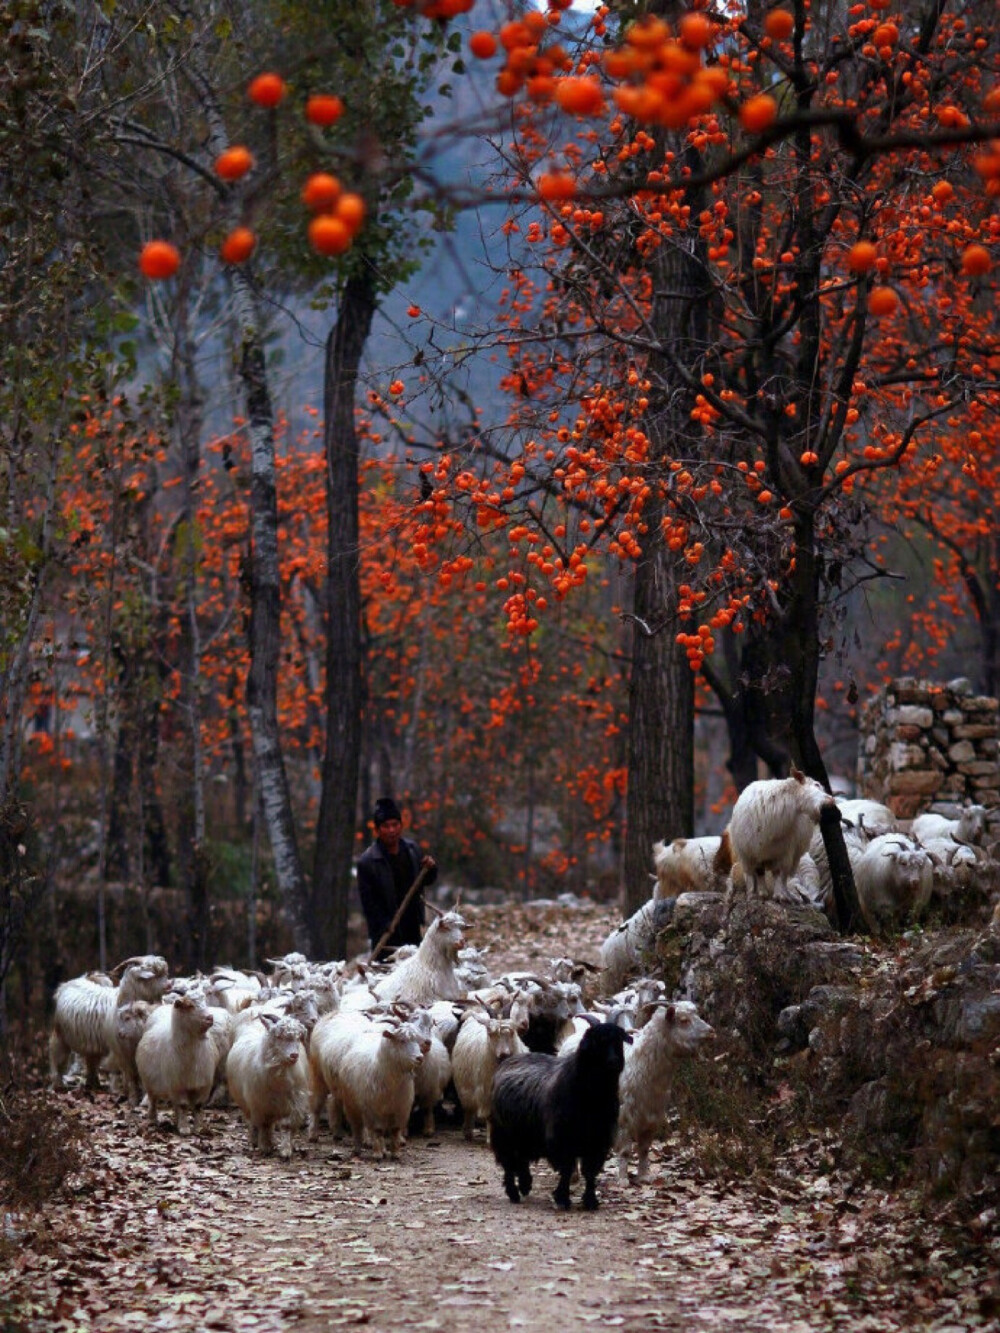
column 387, row 872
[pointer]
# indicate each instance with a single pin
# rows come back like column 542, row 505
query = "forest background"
column 644, row 428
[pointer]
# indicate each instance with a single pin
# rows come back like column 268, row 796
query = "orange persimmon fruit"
column 159, row 259
column 696, row 30
column 234, row 163
column 321, row 191
column 483, row 45
column 267, row 89
column 580, row 96
column 238, row 246
column 758, row 113
column 882, row 301
column 328, row 235
column 350, row 209
column 556, row 185
column 779, row 24
column 976, row 261
column 861, row 257
column 324, row 109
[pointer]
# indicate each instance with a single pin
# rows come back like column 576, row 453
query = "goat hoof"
column 561, row 1200
column 590, row 1203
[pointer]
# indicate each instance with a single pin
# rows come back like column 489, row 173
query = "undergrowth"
column 40, row 1138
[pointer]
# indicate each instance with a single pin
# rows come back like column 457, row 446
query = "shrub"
column 39, row 1141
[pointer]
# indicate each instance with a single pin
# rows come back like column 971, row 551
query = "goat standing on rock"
column 562, row 1108
column 771, row 827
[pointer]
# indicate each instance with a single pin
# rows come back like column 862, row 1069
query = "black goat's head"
column 602, row 1049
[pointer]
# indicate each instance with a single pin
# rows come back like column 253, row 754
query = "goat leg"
column 510, row 1185
column 561, row 1191
column 591, row 1170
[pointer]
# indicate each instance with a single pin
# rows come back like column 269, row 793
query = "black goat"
column 562, row 1108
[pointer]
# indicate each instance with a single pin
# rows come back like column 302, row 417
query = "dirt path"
column 166, row 1233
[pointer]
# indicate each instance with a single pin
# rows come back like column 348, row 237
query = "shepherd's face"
column 389, row 834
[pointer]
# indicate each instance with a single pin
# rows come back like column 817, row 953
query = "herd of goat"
column 551, row 1068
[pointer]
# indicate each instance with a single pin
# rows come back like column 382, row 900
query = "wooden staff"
column 410, row 894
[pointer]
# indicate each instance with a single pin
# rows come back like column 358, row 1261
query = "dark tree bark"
column 660, row 802
column 341, row 758
column 191, row 850
column 137, row 747
column 660, row 799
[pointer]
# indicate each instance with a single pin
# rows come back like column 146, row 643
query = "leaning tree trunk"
column 341, row 757
column 800, row 641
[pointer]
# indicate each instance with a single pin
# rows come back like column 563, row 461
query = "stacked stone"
column 924, row 746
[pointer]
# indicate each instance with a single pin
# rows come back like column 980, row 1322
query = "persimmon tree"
column 819, row 240
column 476, row 726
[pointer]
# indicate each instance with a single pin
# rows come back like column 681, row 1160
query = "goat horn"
column 436, row 910
column 115, row 971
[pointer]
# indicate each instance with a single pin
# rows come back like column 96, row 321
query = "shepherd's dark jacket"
column 379, row 897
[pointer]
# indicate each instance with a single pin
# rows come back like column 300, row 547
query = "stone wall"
column 928, row 746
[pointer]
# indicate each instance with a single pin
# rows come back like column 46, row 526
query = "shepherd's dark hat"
column 386, row 808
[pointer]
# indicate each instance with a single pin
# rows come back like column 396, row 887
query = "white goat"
column 471, row 968
column 434, row 1071
column 967, row 830
column 429, row 974
column 625, row 951
column 483, row 1042
column 673, row 1031
column 128, row 1023
column 870, row 819
column 177, row 1058
column 266, row 1073
column 331, row 1039
column 772, row 825
column 894, row 878
column 690, row 865
column 85, row 1013
column 447, row 1016
column 377, row 1085
column 228, row 989
column 298, row 1004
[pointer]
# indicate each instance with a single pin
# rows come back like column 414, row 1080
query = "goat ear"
column 268, row 1020
column 671, row 1013
column 797, row 774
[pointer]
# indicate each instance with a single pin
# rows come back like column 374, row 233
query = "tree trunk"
column 191, row 851
column 265, row 630
column 661, row 687
column 341, row 758
column 263, row 571
column 799, row 645
column 660, row 732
